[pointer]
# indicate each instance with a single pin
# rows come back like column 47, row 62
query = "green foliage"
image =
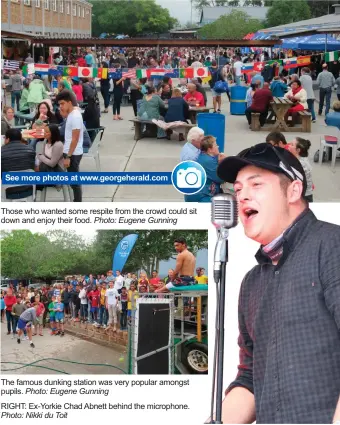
column 151, row 246
column 287, row 11
column 321, row 7
column 130, row 17
column 235, row 25
column 58, row 253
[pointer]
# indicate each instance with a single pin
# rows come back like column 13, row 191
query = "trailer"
column 168, row 333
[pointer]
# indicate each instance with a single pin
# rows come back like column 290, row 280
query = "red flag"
column 258, row 66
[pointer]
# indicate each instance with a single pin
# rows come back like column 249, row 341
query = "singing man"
column 289, row 304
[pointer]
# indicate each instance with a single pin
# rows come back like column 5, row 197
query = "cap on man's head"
column 266, row 156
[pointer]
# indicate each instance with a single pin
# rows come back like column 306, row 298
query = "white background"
column 197, row 395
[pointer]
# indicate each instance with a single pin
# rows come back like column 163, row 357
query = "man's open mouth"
column 250, row 213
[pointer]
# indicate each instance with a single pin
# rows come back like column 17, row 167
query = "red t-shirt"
column 78, row 91
column 261, row 100
column 40, row 309
column 155, row 281
column 94, row 296
column 81, row 62
column 143, row 286
column 195, row 97
column 10, row 300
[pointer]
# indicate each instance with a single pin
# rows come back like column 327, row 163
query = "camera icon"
column 188, row 177
column 191, row 178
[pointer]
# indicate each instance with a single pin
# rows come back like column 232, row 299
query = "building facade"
column 63, row 18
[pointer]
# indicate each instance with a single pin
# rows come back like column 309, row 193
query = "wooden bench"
column 306, row 121
column 255, row 121
column 151, row 128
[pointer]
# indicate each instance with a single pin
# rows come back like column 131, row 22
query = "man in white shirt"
column 119, row 282
column 74, row 135
column 238, row 70
column 111, row 297
column 192, row 148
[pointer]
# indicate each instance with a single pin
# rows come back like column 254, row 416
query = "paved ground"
column 66, row 348
column 119, row 152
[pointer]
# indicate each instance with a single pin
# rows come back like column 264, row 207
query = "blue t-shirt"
column 59, row 314
column 89, row 59
column 212, row 185
column 2, row 304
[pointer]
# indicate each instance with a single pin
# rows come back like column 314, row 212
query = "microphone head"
column 224, row 211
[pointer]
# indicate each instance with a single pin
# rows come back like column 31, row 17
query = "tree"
column 235, row 25
column 320, row 8
column 286, row 11
column 130, row 17
column 151, row 247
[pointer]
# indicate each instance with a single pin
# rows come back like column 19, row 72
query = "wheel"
column 195, row 358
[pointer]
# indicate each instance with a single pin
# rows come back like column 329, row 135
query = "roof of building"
column 213, row 13
column 321, row 21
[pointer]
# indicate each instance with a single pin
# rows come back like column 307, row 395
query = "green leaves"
column 58, row 253
column 235, row 25
column 286, row 11
column 130, row 17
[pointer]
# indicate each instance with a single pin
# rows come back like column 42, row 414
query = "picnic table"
column 276, row 119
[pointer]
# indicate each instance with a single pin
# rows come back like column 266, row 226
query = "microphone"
column 224, row 211
column 224, row 216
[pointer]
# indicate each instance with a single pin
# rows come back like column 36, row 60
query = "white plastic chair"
column 66, row 193
column 332, row 132
column 30, row 198
column 94, row 149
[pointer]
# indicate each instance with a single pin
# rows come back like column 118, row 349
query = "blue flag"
column 123, row 252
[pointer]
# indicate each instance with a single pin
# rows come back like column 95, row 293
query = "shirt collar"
column 291, row 236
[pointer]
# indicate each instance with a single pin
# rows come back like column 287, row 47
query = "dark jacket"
column 178, row 110
column 15, row 156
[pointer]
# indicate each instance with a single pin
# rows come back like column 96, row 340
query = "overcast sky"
column 180, row 9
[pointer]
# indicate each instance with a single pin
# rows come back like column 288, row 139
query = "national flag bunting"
column 303, row 60
column 85, row 72
column 70, row 71
column 129, row 73
column 11, row 65
column 156, row 72
column 290, row 63
column 202, row 72
column 141, row 73
column 41, row 68
column 247, row 67
column 259, row 66
column 115, row 74
column 186, row 73
column 332, row 56
column 277, row 62
column 100, row 73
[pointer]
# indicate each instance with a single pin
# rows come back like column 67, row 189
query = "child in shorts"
column 132, row 300
column 51, row 309
column 59, row 316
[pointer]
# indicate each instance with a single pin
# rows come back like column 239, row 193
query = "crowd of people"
column 106, row 301
column 204, row 150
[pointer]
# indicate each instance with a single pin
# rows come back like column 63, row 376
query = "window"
column 37, row 3
column 47, row 4
column 83, row 12
column 54, row 5
column 74, row 10
column 79, row 14
column 87, row 11
column 61, row 6
column 68, row 7
column 27, row 2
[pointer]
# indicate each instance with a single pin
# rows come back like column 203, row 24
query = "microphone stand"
column 220, row 263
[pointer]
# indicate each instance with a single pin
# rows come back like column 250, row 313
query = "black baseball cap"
column 263, row 155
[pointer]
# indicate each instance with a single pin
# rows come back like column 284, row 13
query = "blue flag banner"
column 135, row 178
column 123, row 252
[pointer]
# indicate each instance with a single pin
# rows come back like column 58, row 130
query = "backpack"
column 221, row 87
